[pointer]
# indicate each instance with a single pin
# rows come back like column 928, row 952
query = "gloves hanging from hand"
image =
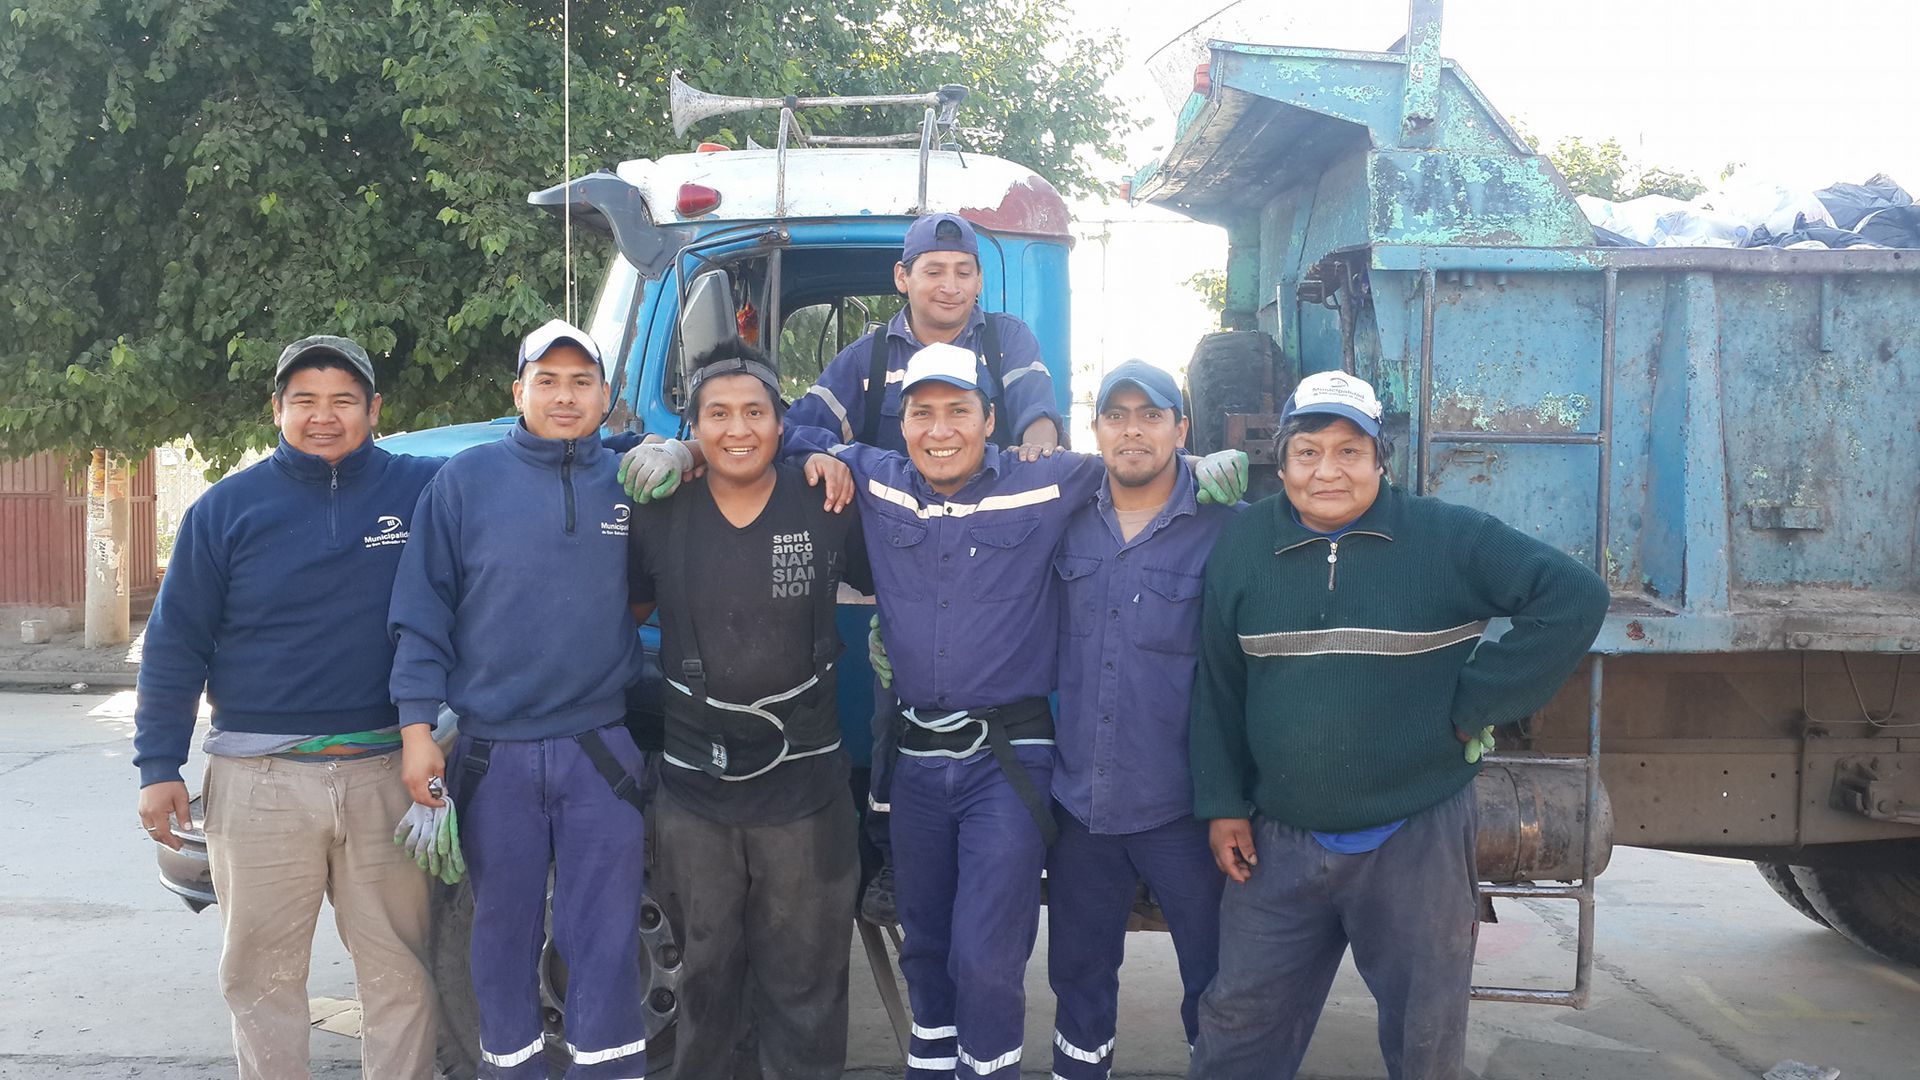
column 431, row 834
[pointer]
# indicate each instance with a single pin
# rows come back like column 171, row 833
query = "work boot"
column 876, row 904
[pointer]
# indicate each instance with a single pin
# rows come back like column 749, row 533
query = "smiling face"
column 1138, row 438
column 1332, row 475
column 738, row 428
column 941, row 288
column 946, row 431
column 326, row 412
column 561, row 395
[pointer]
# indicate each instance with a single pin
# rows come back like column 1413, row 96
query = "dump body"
column 1728, row 436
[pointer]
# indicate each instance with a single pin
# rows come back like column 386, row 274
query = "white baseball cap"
column 1337, row 394
column 941, row 362
column 535, row 345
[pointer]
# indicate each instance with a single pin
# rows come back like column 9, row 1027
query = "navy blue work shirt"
column 1129, row 643
column 968, row 599
column 837, row 404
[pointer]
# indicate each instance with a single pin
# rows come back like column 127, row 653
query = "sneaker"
column 876, row 904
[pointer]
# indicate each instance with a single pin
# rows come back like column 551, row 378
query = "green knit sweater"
column 1333, row 676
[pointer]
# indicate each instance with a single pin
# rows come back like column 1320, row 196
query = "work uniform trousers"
column 967, row 859
column 765, row 913
column 1092, row 880
column 280, row 835
column 1408, row 908
column 539, row 804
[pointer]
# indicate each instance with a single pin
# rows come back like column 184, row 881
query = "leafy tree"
column 1603, row 170
column 189, row 184
column 1212, row 287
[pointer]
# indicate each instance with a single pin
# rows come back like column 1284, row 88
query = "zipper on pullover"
column 1333, row 561
column 333, row 506
column 566, row 482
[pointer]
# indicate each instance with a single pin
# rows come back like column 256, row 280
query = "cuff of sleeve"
column 160, row 772
column 419, row 712
column 1229, row 809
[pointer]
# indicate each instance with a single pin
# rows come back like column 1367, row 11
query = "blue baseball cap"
column 1144, row 377
column 939, row 232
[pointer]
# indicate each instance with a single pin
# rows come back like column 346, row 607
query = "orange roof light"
column 695, row 200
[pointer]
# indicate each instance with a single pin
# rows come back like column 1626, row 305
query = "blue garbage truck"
column 1727, row 436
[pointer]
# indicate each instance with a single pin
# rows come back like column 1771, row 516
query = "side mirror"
column 708, row 318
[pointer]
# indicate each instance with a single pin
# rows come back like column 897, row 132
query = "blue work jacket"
column 1129, row 642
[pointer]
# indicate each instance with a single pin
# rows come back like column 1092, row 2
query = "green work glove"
column 449, row 866
column 1222, row 477
column 877, row 652
column 415, row 831
column 653, row 470
column 1480, row 745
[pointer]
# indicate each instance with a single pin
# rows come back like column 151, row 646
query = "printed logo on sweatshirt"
column 793, row 570
column 618, row 526
column 388, row 533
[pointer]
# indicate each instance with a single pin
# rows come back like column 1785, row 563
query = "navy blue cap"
column 939, row 232
column 1144, row 377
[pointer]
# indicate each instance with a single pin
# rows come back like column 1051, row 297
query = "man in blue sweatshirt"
column 505, row 609
column 275, row 603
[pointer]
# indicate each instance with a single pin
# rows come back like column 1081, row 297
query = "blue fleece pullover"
column 275, row 602
column 511, row 601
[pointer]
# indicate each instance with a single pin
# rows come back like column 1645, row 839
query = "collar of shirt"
column 311, row 469
column 1181, row 502
column 1378, row 519
column 535, row 450
column 900, row 327
column 989, row 472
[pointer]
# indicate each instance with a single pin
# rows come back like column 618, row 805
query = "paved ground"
column 1703, row 972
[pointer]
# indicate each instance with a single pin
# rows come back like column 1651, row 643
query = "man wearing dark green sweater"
column 1344, row 697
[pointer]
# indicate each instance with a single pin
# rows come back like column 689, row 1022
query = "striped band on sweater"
column 1358, row 641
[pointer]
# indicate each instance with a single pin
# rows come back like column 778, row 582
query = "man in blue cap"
column 858, row 400
column 501, row 610
column 961, row 537
column 1130, row 570
column 1344, row 698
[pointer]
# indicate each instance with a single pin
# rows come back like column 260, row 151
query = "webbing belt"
column 479, row 757
column 1025, row 723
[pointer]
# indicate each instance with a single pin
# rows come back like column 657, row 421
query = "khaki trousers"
column 280, row 835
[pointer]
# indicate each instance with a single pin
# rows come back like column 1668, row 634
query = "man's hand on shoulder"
column 157, row 801
column 1222, row 477
column 654, row 470
column 830, row 474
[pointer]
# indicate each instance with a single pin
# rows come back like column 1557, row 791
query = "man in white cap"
column 501, row 610
column 1343, row 701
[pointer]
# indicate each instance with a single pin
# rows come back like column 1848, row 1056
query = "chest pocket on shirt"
column 996, row 567
column 1168, row 619
column 903, row 534
column 1082, row 603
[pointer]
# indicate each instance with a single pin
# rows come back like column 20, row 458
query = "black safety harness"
column 963, row 734
column 990, row 354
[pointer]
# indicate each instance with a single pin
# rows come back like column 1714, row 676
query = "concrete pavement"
column 1702, row 972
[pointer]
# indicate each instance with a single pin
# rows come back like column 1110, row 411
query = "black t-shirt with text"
column 752, row 589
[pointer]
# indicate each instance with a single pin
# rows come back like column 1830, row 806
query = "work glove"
column 448, row 865
column 417, row 830
column 1222, row 477
column 1480, row 744
column 652, row 470
column 877, row 652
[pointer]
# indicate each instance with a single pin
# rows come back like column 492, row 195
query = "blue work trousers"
column 539, row 804
column 1408, row 908
column 967, row 859
column 1091, row 884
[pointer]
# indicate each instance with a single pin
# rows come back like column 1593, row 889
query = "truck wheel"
column 1780, row 877
column 1877, row 907
column 1231, row 371
column 458, row 1051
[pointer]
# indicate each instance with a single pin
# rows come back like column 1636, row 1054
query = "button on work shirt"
column 1129, row 642
column 967, row 595
column 837, row 404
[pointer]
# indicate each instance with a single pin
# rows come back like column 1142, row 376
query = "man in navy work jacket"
column 1344, row 698
column 1130, row 569
column 275, row 603
column 961, row 538
column 858, row 400
column 501, row 610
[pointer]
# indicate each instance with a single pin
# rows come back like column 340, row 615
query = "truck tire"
column 1779, row 876
column 458, row 1050
column 1877, row 908
column 1231, row 371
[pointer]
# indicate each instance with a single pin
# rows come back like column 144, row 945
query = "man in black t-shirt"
column 756, row 861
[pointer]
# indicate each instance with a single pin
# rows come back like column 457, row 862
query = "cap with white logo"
column 941, row 362
column 556, row 331
column 1337, row 394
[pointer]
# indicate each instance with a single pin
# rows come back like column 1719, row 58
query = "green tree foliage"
column 1212, row 287
column 186, row 185
column 1602, row 169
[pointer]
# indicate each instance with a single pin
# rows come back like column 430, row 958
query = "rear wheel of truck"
column 1779, row 876
column 458, row 1052
column 1876, row 907
column 1231, row 371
